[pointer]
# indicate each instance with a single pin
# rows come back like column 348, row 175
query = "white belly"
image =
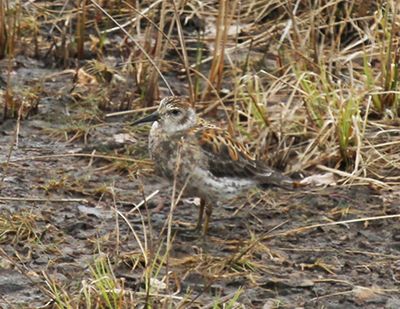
column 220, row 188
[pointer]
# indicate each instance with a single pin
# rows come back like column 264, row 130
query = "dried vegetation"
column 309, row 86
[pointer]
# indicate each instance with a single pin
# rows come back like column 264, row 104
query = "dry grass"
column 309, row 86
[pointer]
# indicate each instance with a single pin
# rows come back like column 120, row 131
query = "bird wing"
column 229, row 158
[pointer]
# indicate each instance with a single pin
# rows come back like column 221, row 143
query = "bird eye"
column 175, row 112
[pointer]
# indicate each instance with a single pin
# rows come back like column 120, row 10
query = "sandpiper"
column 202, row 158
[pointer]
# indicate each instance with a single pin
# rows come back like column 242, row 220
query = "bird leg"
column 201, row 212
column 207, row 220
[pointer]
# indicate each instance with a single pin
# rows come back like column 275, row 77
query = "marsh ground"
column 311, row 87
column 62, row 212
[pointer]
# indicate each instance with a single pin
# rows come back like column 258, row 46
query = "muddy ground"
column 59, row 214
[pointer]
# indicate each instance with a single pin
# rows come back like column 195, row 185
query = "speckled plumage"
column 205, row 158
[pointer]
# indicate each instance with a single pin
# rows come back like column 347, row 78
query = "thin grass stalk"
column 199, row 54
column 388, row 75
column 389, row 81
column 13, row 20
column 298, row 43
column 3, row 28
column 174, row 201
column 184, row 53
column 80, row 29
column 225, row 23
column 152, row 87
column 8, row 33
column 224, row 19
column 35, row 37
column 64, row 42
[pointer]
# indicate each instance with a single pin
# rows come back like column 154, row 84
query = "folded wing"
column 229, row 158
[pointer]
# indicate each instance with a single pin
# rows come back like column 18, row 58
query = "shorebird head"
column 174, row 115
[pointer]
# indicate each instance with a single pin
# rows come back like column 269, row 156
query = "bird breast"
column 165, row 151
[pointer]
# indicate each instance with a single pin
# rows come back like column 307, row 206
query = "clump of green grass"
column 383, row 81
column 110, row 290
column 101, row 289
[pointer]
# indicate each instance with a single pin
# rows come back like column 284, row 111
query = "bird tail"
column 270, row 177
